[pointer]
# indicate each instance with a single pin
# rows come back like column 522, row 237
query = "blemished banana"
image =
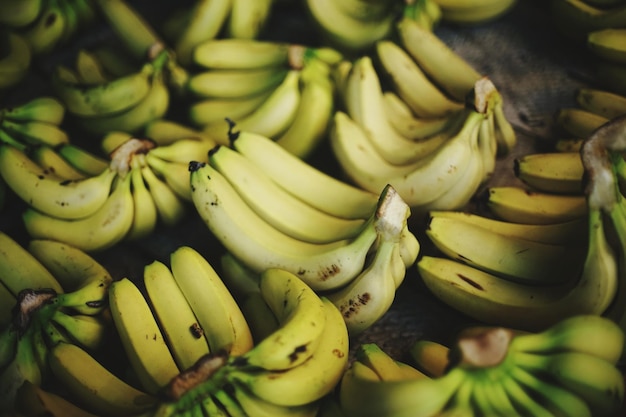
column 48, row 159
column 248, row 18
column 554, row 172
column 305, row 181
column 273, row 116
column 572, row 232
column 216, row 310
column 578, row 123
column 45, row 34
column 608, row 44
column 601, row 102
column 183, row 334
column 301, row 316
column 95, row 387
column 21, row 270
column 519, row 205
column 108, row 225
column 14, row 66
column 451, row 72
column 84, row 280
column 204, row 21
column 473, row 13
column 309, row 381
column 516, row 259
column 258, row 244
column 411, row 83
column 141, row 337
column 283, row 210
column 228, row 83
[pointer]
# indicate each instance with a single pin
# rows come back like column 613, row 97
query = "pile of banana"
column 406, row 123
column 495, row 371
column 275, row 210
column 275, row 89
column 51, row 294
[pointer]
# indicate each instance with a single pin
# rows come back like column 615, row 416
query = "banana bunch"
column 52, row 293
column 15, row 58
column 46, row 25
column 36, row 121
column 498, row 371
column 473, row 13
column 275, row 89
column 354, row 26
column 277, row 211
column 211, row 19
column 288, row 372
column 99, row 98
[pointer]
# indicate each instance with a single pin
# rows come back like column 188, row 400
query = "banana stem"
column 198, row 381
column 481, row 347
column 28, row 302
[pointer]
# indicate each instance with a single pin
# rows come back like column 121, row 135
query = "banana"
column 170, row 206
column 217, row 312
column 310, row 125
column 576, row 18
column 516, row 259
column 184, row 335
column 601, row 102
column 31, row 399
column 518, row 205
column 45, row 34
column 411, row 83
column 608, row 44
column 17, row 13
column 106, row 97
column 359, row 396
column 351, row 32
column 239, row 279
column 557, row 400
column 16, row 60
column 590, row 334
column 241, row 53
column 175, row 175
column 572, row 232
column 430, row 357
column 309, row 381
column 259, row 316
column 20, row 270
column 83, row 160
column 52, row 162
column 45, row 109
column 35, row 132
column 598, row 382
column 146, row 215
column 258, row 244
column 488, row 147
column 204, row 22
column 84, row 280
column 450, row 72
column 214, row 111
column 506, row 137
column 108, row 225
column 473, row 13
column 577, row 122
column 87, row 331
column 374, row 357
column 554, row 172
column 165, row 132
column 253, row 405
column 276, row 206
column 302, row 319
column 231, row 84
column 305, row 181
column 143, row 340
column 95, row 387
column 272, row 117
column 248, row 19
column 89, row 69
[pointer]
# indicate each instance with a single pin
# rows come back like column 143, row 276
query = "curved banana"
column 253, row 405
column 45, row 109
column 516, row 259
column 309, row 381
column 451, row 72
column 241, row 53
column 258, row 244
column 170, row 206
column 213, row 111
column 83, row 160
column 303, row 180
column 95, row 387
column 218, row 314
column 175, row 175
column 276, row 206
column 601, row 102
column 84, row 280
column 576, row 18
column 183, row 334
column 608, row 44
column 15, row 64
column 45, row 34
column 430, row 357
column 475, row 12
column 141, row 337
column 146, row 214
column 228, row 83
column 518, row 205
column 16, row 13
column 35, row 132
column 87, row 331
column 554, row 172
column 577, row 122
column 50, row 161
column 248, row 18
column 165, row 132
column 108, row 225
column 301, row 317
